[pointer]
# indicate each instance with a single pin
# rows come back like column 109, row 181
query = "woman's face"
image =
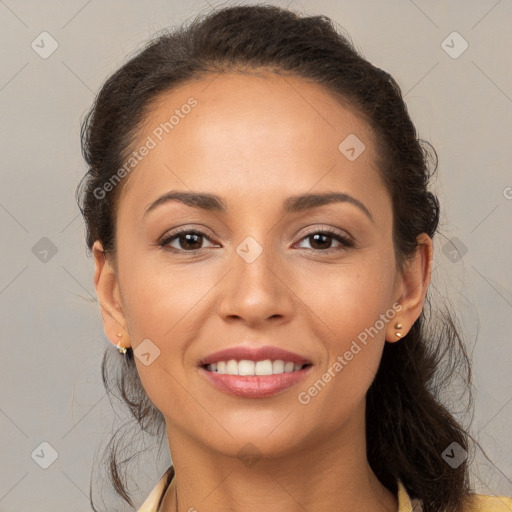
column 259, row 275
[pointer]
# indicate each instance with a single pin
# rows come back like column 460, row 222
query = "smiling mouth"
column 247, row 368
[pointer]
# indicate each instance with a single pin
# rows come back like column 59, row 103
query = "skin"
column 255, row 140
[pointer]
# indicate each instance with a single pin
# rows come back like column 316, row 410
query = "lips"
column 255, row 386
column 241, row 352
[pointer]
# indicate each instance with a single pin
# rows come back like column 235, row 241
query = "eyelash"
column 346, row 242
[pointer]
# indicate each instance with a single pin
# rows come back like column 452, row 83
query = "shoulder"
column 153, row 501
column 474, row 502
column 485, row 503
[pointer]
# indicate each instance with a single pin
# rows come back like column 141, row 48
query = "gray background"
column 51, row 333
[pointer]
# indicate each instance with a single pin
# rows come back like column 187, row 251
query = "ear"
column 412, row 285
column 107, row 290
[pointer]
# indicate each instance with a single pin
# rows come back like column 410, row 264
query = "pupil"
column 320, row 235
column 187, row 238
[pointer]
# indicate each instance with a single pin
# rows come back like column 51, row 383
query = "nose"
column 256, row 291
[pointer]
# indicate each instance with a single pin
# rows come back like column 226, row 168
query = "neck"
column 329, row 473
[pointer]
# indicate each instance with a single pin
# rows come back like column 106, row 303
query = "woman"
column 258, row 210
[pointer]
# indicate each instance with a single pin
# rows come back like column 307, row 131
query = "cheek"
column 350, row 298
column 160, row 300
column 353, row 306
column 160, row 307
column 160, row 304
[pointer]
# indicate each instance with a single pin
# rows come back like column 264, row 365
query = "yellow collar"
column 480, row 502
column 153, row 500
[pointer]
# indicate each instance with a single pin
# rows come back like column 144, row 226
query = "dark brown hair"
column 407, row 426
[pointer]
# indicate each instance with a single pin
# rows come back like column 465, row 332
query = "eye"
column 189, row 240
column 325, row 237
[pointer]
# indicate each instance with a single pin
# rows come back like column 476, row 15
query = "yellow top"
column 481, row 503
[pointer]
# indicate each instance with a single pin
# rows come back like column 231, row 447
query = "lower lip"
column 255, row 386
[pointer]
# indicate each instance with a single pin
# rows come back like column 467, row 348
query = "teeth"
column 232, row 367
column 246, row 367
column 278, row 366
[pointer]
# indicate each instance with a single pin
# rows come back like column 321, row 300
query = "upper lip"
column 254, row 354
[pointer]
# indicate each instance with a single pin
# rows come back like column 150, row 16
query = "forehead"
column 256, row 134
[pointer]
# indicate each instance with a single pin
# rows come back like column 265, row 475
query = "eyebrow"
column 293, row 204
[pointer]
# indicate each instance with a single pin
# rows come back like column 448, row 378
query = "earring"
column 122, row 350
column 398, row 326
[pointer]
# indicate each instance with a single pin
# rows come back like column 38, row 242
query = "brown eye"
column 323, row 239
column 187, row 240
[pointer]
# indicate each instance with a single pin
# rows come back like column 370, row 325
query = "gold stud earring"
column 398, row 326
column 122, row 350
